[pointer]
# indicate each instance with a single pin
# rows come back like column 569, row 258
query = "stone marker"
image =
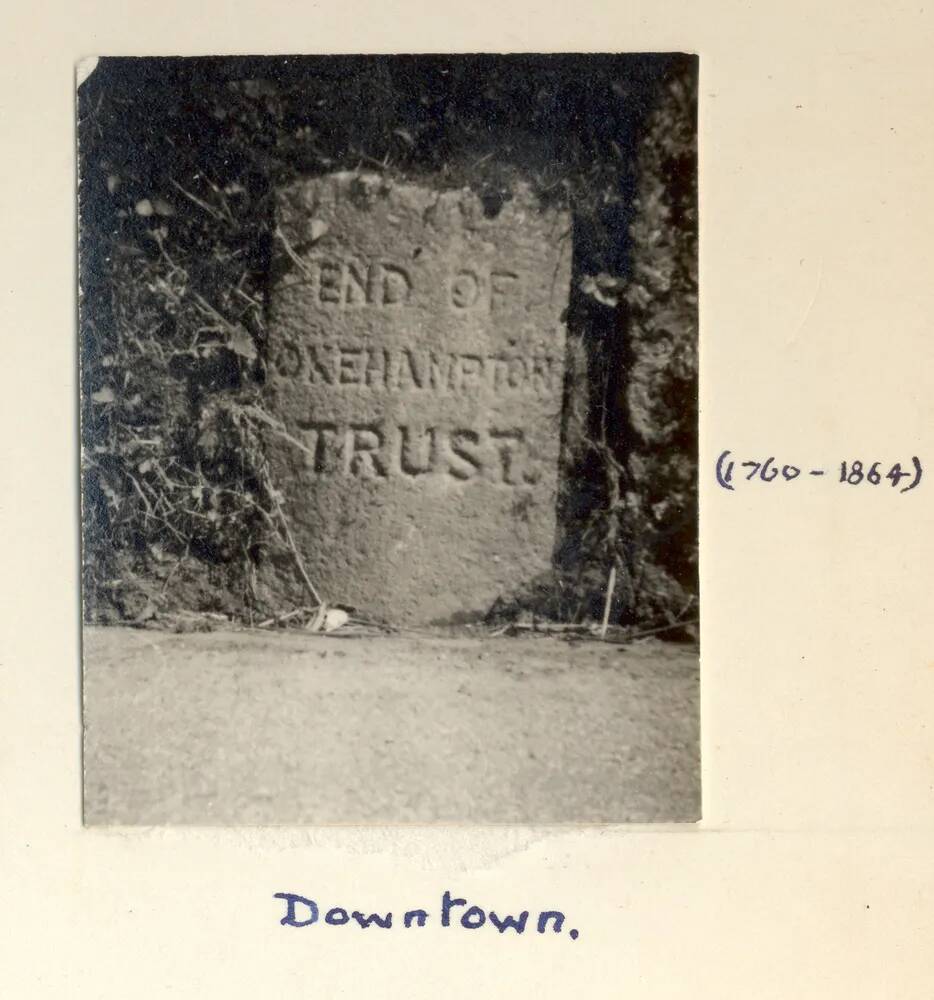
column 416, row 353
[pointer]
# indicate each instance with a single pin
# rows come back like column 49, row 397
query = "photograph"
column 389, row 439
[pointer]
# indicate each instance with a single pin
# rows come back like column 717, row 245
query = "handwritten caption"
column 902, row 478
column 300, row 911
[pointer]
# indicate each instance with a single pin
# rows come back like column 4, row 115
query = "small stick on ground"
column 610, row 587
column 661, row 628
column 317, row 623
column 544, row 627
column 278, row 619
column 287, row 532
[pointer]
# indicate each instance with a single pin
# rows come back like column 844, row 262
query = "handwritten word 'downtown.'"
column 300, row 911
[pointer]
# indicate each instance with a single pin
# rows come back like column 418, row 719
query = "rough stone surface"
column 417, row 350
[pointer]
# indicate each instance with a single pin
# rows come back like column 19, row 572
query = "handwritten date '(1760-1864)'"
column 856, row 472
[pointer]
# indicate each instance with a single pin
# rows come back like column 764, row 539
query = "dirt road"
column 252, row 728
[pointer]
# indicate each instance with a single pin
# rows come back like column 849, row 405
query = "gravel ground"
column 251, row 728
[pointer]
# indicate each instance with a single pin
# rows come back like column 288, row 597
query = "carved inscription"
column 416, row 374
column 472, row 289
column 411, row 369
column 380, row 450
column 350, row 283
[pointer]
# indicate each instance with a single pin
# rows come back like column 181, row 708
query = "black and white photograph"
column 388, row 439
column 466, row 527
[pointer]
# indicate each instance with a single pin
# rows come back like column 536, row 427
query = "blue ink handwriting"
column 300, row 911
